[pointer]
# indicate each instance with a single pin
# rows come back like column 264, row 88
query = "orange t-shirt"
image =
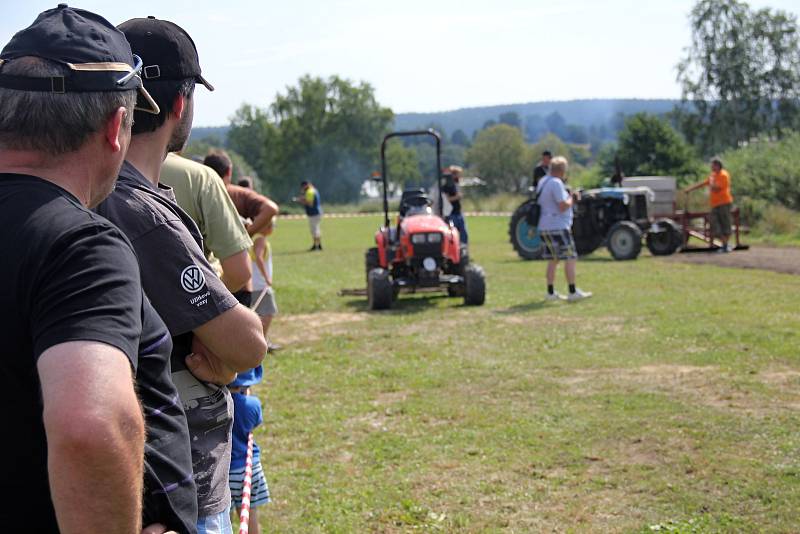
column 722, row 180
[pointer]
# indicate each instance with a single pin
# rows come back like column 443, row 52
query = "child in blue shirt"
column 247, row 416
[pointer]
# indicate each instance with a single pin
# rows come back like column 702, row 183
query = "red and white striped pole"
column 244, row 515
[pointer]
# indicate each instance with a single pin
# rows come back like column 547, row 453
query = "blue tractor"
column 617, row 217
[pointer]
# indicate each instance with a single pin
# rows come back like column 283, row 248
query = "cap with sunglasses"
column 96, row 54
column 166, row 49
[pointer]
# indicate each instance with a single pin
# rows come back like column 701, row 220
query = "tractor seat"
column 414, row 201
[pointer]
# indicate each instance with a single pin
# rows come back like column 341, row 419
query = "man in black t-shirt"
column 76, row 325
column 543, row 168
column 453, row 194
column 214, row 336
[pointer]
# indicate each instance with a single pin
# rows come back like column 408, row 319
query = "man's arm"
column 239, row 324
column 561, row 196
column 263, row 219
column 236, row 271
column 698, row 185
column 95, row 437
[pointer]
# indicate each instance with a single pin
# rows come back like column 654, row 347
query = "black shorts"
column 558, row 245
column 244, row 297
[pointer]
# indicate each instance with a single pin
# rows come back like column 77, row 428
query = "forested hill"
column 532, row 116
column 586, row 113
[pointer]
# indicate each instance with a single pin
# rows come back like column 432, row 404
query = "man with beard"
column 214, row 336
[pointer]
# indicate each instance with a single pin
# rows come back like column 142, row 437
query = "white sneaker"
column 578, row 295
column 554, row 297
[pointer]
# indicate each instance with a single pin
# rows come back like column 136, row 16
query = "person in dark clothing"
column 213, row 335
column 81, row 340
column 453, row 194
column 543, row 168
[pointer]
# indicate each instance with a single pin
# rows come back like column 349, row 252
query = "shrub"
column 767, row 170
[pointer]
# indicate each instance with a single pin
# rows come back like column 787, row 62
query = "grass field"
column 668, row 402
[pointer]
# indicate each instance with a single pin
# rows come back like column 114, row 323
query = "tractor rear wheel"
column 524, row 236
column 474, row 285
column 667, row 240
column 379, row 289
column 624, row 241
column 372, row 261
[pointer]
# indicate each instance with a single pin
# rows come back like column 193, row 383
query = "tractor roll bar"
column 438, row 138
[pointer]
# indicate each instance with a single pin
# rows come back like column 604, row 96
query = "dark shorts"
column 244, row 297
column 721, row 220
column 558, row 245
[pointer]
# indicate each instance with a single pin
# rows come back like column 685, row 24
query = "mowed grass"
column 670, row 401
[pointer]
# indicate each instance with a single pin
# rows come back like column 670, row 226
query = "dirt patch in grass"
column 778, row 259
column 370, row 422
column 390, row 398
column 781, row 378
column 290, row 329
column 706, row 385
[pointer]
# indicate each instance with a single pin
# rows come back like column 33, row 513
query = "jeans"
column 458, row 221
column 215, row 524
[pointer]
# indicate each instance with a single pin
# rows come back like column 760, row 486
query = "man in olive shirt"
column 201, row 195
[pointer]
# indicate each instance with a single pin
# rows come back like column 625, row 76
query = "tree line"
column 740, row 81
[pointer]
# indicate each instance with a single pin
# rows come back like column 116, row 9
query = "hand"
column 206, row 366
column 577, row 195
column 157, row 528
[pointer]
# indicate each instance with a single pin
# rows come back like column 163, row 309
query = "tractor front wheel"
column 474, row 285
column 624, row 241
column 371, row 260
column 379, row 289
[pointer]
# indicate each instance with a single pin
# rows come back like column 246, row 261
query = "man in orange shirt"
column 719, row 182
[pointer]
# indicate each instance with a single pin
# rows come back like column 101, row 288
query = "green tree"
column 460, row 138
column 511, row 118
column 648, row 145
column 741, row 75
column 573, row 153
column 767, row 170
column 198, row 150
column 402, row 165
column 498, row 155
column 254, row 137
column 325, row 131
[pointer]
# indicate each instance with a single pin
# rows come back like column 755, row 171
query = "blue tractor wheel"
column 524, row 236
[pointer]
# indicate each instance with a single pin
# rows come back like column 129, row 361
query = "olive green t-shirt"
column 202, row 195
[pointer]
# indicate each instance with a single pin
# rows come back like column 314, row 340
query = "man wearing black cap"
column 76, row 325
column 213, row 335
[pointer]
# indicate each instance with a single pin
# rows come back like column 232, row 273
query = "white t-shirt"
column 552, row 192
column 258, row 280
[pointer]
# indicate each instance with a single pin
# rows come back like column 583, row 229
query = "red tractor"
column 423, row 251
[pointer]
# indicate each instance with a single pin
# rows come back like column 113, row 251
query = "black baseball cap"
column 166, row 49
column 97, row 55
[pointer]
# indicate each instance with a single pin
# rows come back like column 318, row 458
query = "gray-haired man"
column 555, row 227
column 76, row 325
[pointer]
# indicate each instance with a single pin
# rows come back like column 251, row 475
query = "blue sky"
column 421, row 55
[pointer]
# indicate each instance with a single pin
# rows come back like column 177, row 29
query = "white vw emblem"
column 192, row 279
